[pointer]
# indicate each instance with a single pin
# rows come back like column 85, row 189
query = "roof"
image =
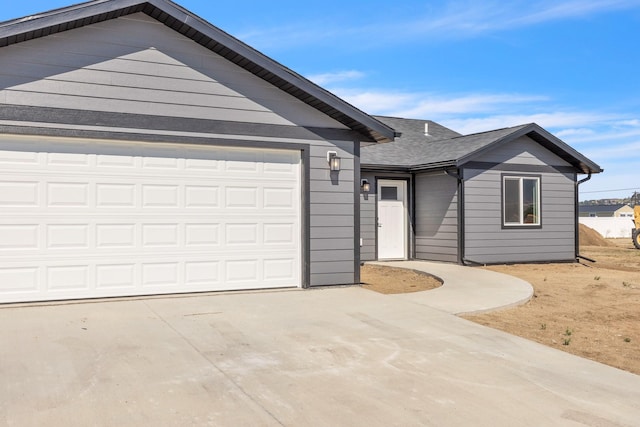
column 412, row 129
column 413, row 150
column 200, row 31
column 602, row 208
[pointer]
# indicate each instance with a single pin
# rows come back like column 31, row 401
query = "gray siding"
column 523, row 151
column 485, row 239
column 436, row 212
column 135, row 65
column 368, row 220
column 332, row 202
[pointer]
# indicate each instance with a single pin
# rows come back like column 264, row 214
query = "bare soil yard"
column 588, row 309
column 390, row 280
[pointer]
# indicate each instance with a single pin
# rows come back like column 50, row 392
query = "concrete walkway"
column 465, row 290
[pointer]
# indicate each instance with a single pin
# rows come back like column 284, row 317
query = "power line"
column 607, row 191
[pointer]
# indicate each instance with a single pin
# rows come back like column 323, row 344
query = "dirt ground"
column 390, row 280
column 588, row 309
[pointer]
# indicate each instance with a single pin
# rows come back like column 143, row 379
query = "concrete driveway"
column 327, row 357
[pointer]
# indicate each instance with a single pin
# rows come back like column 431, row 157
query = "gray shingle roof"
column 413, row 150
column 415, row 129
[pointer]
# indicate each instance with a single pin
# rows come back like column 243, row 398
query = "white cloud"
column 442, row 106
column 338, row 76
column 476, row 112
column 574, row 132
column 550, row 10
column 619, row 151
column 438, row 20
column 459, row 19
column 433, row 106
column 376, row 102
column 556, row 121
column 631, row 123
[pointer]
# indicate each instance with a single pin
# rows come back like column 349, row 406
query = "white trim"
column 520, row 180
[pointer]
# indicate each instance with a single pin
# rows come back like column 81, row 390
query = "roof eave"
column 409, row 168
column 378, row 167
column 547, row 140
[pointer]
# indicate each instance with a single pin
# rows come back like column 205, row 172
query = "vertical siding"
column 485, row 239
column 436, row 212
column 135, row 65
column 368, row 220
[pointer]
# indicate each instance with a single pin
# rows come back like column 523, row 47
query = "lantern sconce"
column 365, row 186
column 334, row 161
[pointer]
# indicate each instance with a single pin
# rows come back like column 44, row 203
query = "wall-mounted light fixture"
column 334, row 160
column 365, row 186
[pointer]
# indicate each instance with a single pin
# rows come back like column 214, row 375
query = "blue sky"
column 572, row 66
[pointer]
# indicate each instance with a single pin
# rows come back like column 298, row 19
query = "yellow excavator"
column 635, row 232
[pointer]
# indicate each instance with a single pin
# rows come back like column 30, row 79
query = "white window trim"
column 521, row 223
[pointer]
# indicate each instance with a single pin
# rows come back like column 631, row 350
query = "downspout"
column 460, row 214
column 577, row 225
column 412, row 218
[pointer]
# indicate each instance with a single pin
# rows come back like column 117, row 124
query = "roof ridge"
column 493, row 130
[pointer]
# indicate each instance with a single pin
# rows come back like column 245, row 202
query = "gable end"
column 207, row 35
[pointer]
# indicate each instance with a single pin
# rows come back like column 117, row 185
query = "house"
column 145, row 151
column 621, row 210
column 503, row 196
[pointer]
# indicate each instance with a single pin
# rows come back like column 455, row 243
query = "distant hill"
column 631, row 200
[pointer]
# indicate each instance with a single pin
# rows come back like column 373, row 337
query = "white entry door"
column 392, row 219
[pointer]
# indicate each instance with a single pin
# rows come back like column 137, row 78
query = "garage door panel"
column 201, row 196
column 70, row 159
column 117, row 221
column 244, row 162
column 241, row 197
column 69, row 278
column 154, row 195
column 278, row 269
column 69, row 194
column 279, row 233
column 68, row 236
column 19, row 236
column 115, row 195
column 202, row 234
column 12, row 155
column 117, row 275
column 163, row 159
column 19, row 194
column 109, row 236
column 22, row 279
column 160, row 274
column 199, row 162
column 202, row 274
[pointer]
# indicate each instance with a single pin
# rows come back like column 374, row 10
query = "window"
column 388, row 193
column 520, row 201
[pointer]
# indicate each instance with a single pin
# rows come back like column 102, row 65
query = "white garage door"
column 99, row 219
